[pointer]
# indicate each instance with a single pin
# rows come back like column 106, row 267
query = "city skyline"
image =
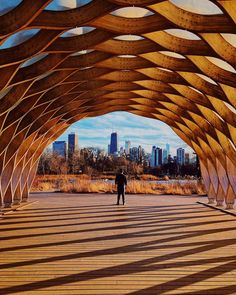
column 146, row 132
column 157, row 158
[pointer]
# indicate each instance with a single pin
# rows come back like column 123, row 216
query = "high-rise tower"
column 72, row 143
column 59, row 148
column 180, row 156
column 153, row 157
column 114, row 143
column 168, row 149
column 127, row 147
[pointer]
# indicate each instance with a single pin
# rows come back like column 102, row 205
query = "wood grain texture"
column 84, row 244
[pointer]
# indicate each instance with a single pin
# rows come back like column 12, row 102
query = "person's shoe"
column 124, row 203
column 117, row 204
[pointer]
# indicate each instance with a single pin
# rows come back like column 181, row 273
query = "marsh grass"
column 82, row 184
column 148, row 177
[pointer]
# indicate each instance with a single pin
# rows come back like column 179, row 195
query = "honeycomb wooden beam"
column 151, row 58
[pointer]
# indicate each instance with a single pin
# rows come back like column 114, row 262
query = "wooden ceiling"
column 174, row 65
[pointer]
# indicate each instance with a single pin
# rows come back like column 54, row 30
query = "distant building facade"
column 159, row 157
column 140, row 153
column 180, row 156
column 127, row 147
column 153, row 157
column 156, row 157
column 72, row 143
column 134, row 154
column 114, row 143
column 186, row 159
column 168, row 149
column 60, row 148
column 165, row 156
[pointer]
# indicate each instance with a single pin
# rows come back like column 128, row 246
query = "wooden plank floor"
column 84, row 244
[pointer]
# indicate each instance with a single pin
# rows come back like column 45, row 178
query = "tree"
column 58, row 164
column 74, row 163
column 44, row 163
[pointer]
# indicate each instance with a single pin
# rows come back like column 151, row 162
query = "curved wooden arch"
column 188, row 82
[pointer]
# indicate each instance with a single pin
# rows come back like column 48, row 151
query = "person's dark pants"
column 120, row 191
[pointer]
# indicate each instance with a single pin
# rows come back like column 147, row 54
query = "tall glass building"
column 127, row 146
column 59, row 148
column 156, row 157
column 165, row 156
column 180, row 156
column 114, row 143
column 72, row 143
column 168, row 149
column 153, row 157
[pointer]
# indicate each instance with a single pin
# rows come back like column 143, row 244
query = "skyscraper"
column 165, row 156
column 59, row 148
column 140, row 154
column 153, row 157
column 114, row 143
column 127, row 147
column 134, row 153
column 180, row 156
column 168, row 149
column 187, row 159
column 72, row 143
column 158, row 156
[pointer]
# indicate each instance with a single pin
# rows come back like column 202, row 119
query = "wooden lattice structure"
column 171, row 63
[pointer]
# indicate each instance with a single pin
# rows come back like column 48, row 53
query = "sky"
column 139, row 130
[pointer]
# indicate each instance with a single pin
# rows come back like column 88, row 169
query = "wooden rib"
column 39, row 101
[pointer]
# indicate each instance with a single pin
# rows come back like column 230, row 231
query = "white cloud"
column 139, row 130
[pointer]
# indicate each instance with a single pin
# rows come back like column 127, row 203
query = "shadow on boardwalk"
column 167, row 248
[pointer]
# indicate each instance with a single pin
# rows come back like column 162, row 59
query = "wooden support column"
column 17, row 197
column 230, row 198
column 25, row 194
column 8, row 198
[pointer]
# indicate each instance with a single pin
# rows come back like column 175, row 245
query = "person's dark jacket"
column 120, row 180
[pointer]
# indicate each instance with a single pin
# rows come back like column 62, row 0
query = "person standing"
column 121, row 182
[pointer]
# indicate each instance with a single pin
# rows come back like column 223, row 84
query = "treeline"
column 87, row 162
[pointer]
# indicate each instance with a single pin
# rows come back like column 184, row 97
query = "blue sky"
column 139, row 130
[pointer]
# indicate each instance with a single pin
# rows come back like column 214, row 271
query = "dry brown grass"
column 54, row 182
column 61, row 177
column 148, row 177
column 43, row 186
column 82, row 185
column 187, row 188
column 104, row 177
column 87, row 186
column 142, row 187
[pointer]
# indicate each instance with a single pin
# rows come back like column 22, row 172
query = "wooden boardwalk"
column 83, row 244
